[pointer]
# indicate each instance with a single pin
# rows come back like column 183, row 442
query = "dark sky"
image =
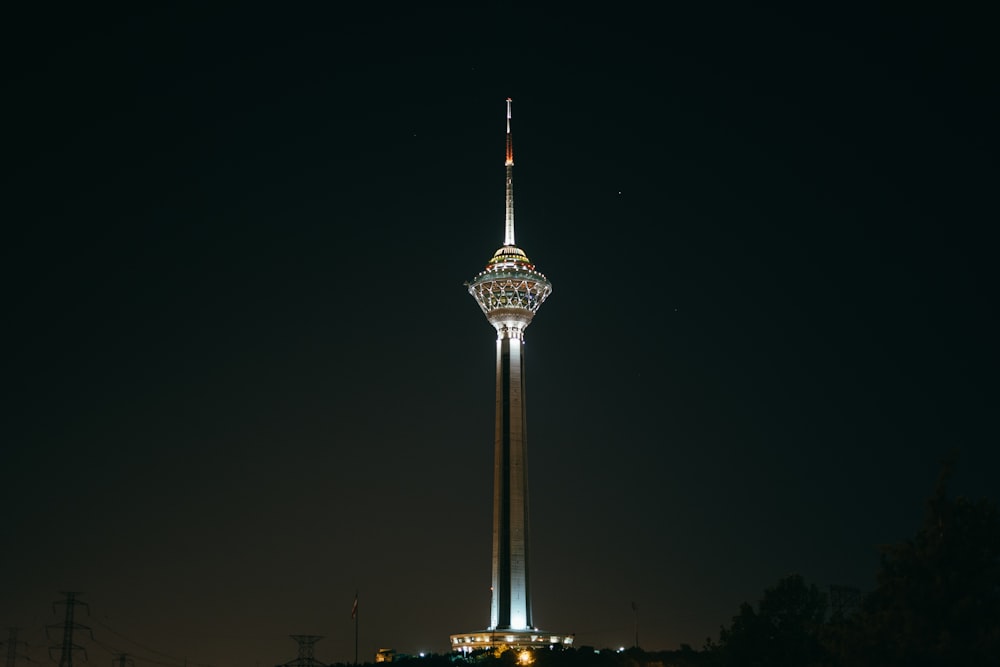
column 243, row 377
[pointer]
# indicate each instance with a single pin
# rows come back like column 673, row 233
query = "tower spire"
column 508, row 237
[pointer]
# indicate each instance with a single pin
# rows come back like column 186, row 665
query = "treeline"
column 936, row 603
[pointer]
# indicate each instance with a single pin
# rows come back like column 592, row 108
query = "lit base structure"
column 508, row 639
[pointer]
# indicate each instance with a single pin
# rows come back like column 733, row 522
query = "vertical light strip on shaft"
column 500, row 604
column 508, row 238
column 511, row 608
column 520, row 608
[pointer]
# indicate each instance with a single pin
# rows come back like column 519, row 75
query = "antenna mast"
column 508, row 238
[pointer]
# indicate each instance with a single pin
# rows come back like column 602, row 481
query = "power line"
column 114, row 652
column 177, row 660
column 134, row 642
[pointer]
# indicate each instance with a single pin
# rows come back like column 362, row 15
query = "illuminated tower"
column 510, row 291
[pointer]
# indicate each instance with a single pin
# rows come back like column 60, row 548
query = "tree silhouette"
column 937, row 599
column 784, row 630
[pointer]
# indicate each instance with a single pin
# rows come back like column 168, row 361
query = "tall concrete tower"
column 510, row 291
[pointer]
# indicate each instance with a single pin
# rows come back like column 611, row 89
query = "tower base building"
column 508, row 639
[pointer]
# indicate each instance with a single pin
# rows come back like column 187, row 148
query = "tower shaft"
column 511, row 604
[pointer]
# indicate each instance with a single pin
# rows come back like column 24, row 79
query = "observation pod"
column 510, row 291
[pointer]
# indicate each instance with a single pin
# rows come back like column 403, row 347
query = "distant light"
column 620, row 649
column 421, row 654
column 524, row 657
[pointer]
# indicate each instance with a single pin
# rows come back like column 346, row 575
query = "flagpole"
column 635, row 611
column 356, row 614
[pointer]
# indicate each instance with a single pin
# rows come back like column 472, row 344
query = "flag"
column 354, row 609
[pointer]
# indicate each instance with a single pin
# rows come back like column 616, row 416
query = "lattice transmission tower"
column 69, row 625
column 306, row 656
column 11, row 645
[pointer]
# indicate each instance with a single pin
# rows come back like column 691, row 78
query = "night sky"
column 243, row 377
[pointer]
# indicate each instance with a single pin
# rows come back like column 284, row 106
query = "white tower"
column 510, row 291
